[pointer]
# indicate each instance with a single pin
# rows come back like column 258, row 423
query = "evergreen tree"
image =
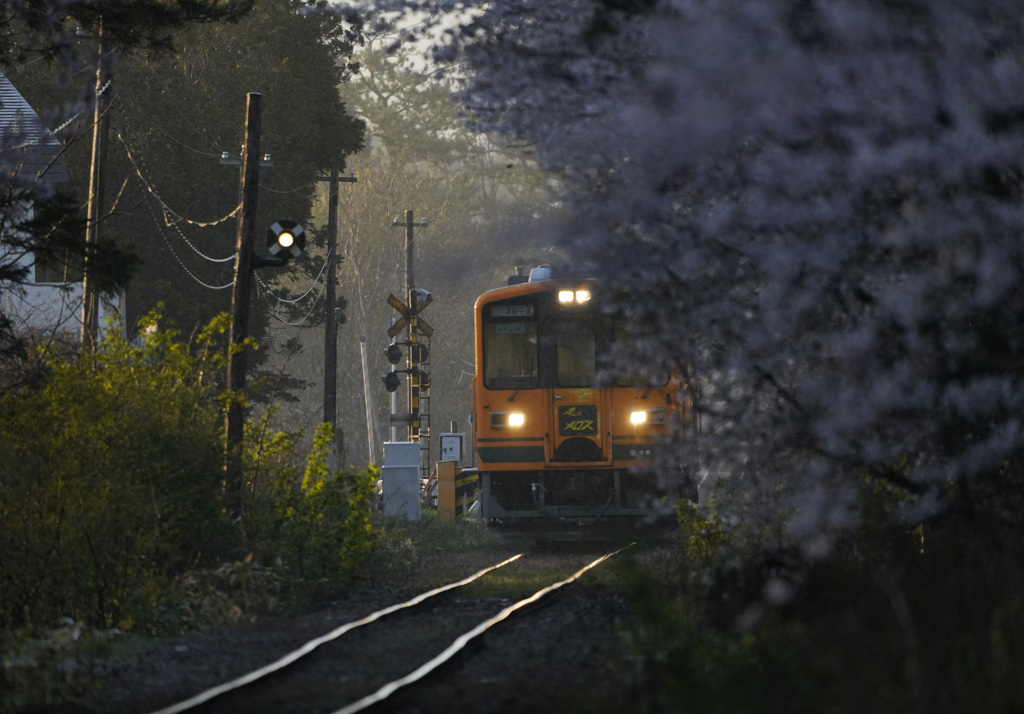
column 178, row 113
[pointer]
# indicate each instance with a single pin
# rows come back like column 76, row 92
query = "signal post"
column 416, row 420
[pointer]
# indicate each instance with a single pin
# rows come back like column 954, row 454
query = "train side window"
column 576, row 354
column 510, row 354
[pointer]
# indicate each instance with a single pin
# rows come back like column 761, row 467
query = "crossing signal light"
column 419, row 352
column 391, row 381
column 394, row 355
column 286, row 239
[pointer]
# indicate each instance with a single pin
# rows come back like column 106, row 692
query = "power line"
column 186, row 146
column 451, row 351
column 296, row 190
column 168, row 212
column 75, row 117
column 276, row 309
column 177, row 257
column 167, row 209
column 168, row 224
column 302, row 297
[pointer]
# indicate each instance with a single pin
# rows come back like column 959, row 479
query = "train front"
column 560, row 437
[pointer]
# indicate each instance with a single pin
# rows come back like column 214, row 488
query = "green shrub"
column 702, row 529
column 112, row 510
column 110, row 482
column 232, row 592
column 313, row 523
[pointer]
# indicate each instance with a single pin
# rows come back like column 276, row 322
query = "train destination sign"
column 511, row 310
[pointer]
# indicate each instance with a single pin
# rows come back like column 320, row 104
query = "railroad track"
column 422, row 635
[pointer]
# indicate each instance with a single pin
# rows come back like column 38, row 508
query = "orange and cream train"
column 560, row 438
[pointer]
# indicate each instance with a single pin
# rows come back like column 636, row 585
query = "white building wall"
column 33, row 152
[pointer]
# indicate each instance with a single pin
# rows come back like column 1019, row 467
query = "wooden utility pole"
column 240, row 302
column 90, row 298
column 331, row 326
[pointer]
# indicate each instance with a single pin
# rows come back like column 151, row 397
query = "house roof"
column 28, row 149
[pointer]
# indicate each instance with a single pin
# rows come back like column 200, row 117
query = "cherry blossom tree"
column 813, row 205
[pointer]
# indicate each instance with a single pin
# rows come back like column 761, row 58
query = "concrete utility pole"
column 240, row 301
column 90, row 298
column 331, row 326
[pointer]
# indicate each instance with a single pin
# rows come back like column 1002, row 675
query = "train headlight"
column 655, row 417
column 578, row 296
column 500, row 420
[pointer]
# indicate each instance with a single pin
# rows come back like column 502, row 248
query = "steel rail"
column 291, row 657
column 456, row 646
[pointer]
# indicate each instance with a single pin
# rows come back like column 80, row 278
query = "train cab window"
column 575, row 354
column 510, row 347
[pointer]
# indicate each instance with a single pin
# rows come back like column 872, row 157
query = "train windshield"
column 510, row 346
column 535, row 341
